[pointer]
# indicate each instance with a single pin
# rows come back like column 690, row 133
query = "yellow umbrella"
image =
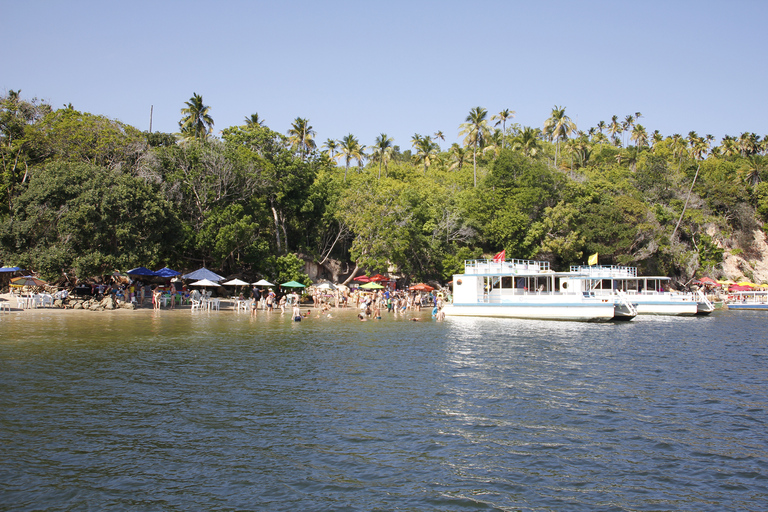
column 746, row 283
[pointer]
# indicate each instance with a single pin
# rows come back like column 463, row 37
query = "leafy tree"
column 88, row 220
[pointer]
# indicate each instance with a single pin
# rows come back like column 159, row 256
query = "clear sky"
column 398, row 67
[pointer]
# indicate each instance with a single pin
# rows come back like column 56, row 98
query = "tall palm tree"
column 752, row 174
column 302, row 136
column 614, row 128
column 382, row 151
column 254, row 120
column 197, row 122
column 729, row 146
column 501, row 119
column 475, row 130
column 439, row 135
column 350, row 148
column 559, row 126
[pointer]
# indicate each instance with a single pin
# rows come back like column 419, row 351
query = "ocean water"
column 174, row 410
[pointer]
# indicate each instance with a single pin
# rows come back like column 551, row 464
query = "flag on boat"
column 500, row 256
column 592, row 260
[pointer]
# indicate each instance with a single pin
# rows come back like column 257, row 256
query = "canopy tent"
column 293, row 284
column 371, row 286
column 263, row 282
column 141, row 271
column 203, row 273
column 204, row 282
column 166, row 272
column 235, row 282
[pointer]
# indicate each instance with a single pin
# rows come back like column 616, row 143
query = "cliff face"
column 753, row 265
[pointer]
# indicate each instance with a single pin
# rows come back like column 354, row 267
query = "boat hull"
column 666, row 308
column 568, row 312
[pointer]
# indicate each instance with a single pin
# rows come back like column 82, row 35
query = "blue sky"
column 398, row 67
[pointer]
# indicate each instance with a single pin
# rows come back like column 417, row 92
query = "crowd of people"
column 370, row 304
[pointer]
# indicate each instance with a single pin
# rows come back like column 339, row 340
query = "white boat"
column 529, row 289
column 651, row 295
column 749, row 300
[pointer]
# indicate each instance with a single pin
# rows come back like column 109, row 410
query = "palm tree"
column 426, row 150
column 527, row 141
column 495, row 143
column 330, row 146
column 253, row 120
column 350, row 148
column 475, row 131
column 729, row 146
column 559, row 126
column 301, row 136
column 458, row 155
column 439, row 135
column 614, row 128
column 640, row 136
column 382, row 151
column 502, row 119
column 751, row 174
column 197, row 123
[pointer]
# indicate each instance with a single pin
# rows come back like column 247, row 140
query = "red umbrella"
column 739, row 288
column 362, row 279
column 708, row 280
column 421, row 287
column 378, row 278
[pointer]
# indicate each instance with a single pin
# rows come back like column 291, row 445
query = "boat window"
column 506, row 282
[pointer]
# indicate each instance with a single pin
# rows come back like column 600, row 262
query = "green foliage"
column 88, row 220
column 86, row 194
column 287, row 267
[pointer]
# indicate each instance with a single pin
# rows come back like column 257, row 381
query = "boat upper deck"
column 505, row 268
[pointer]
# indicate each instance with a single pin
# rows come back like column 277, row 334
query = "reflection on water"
column 176, row 411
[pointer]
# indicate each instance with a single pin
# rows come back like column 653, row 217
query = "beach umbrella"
column 27, row 281
column 325, row 286
column 263, row 282
column 371, row 286
column 167, row 272
column 421, row 287
column 203, row 273
column 204, row 282
column 708, row 280
column 10, row 269
column 235, row 282
column 378, row 278
column 293, row 284
column 141, row 271
column 362, row 279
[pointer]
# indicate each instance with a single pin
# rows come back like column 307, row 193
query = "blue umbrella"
column 141, row 271
column 203, row 273
column 166, row 272
column 9, row 269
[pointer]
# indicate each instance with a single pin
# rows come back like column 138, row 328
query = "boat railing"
column 506, row 267
column 617, row 271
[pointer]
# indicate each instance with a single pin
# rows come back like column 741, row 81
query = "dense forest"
column 82, row 195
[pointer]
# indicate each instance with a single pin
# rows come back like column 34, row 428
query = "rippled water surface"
column 218, row 411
